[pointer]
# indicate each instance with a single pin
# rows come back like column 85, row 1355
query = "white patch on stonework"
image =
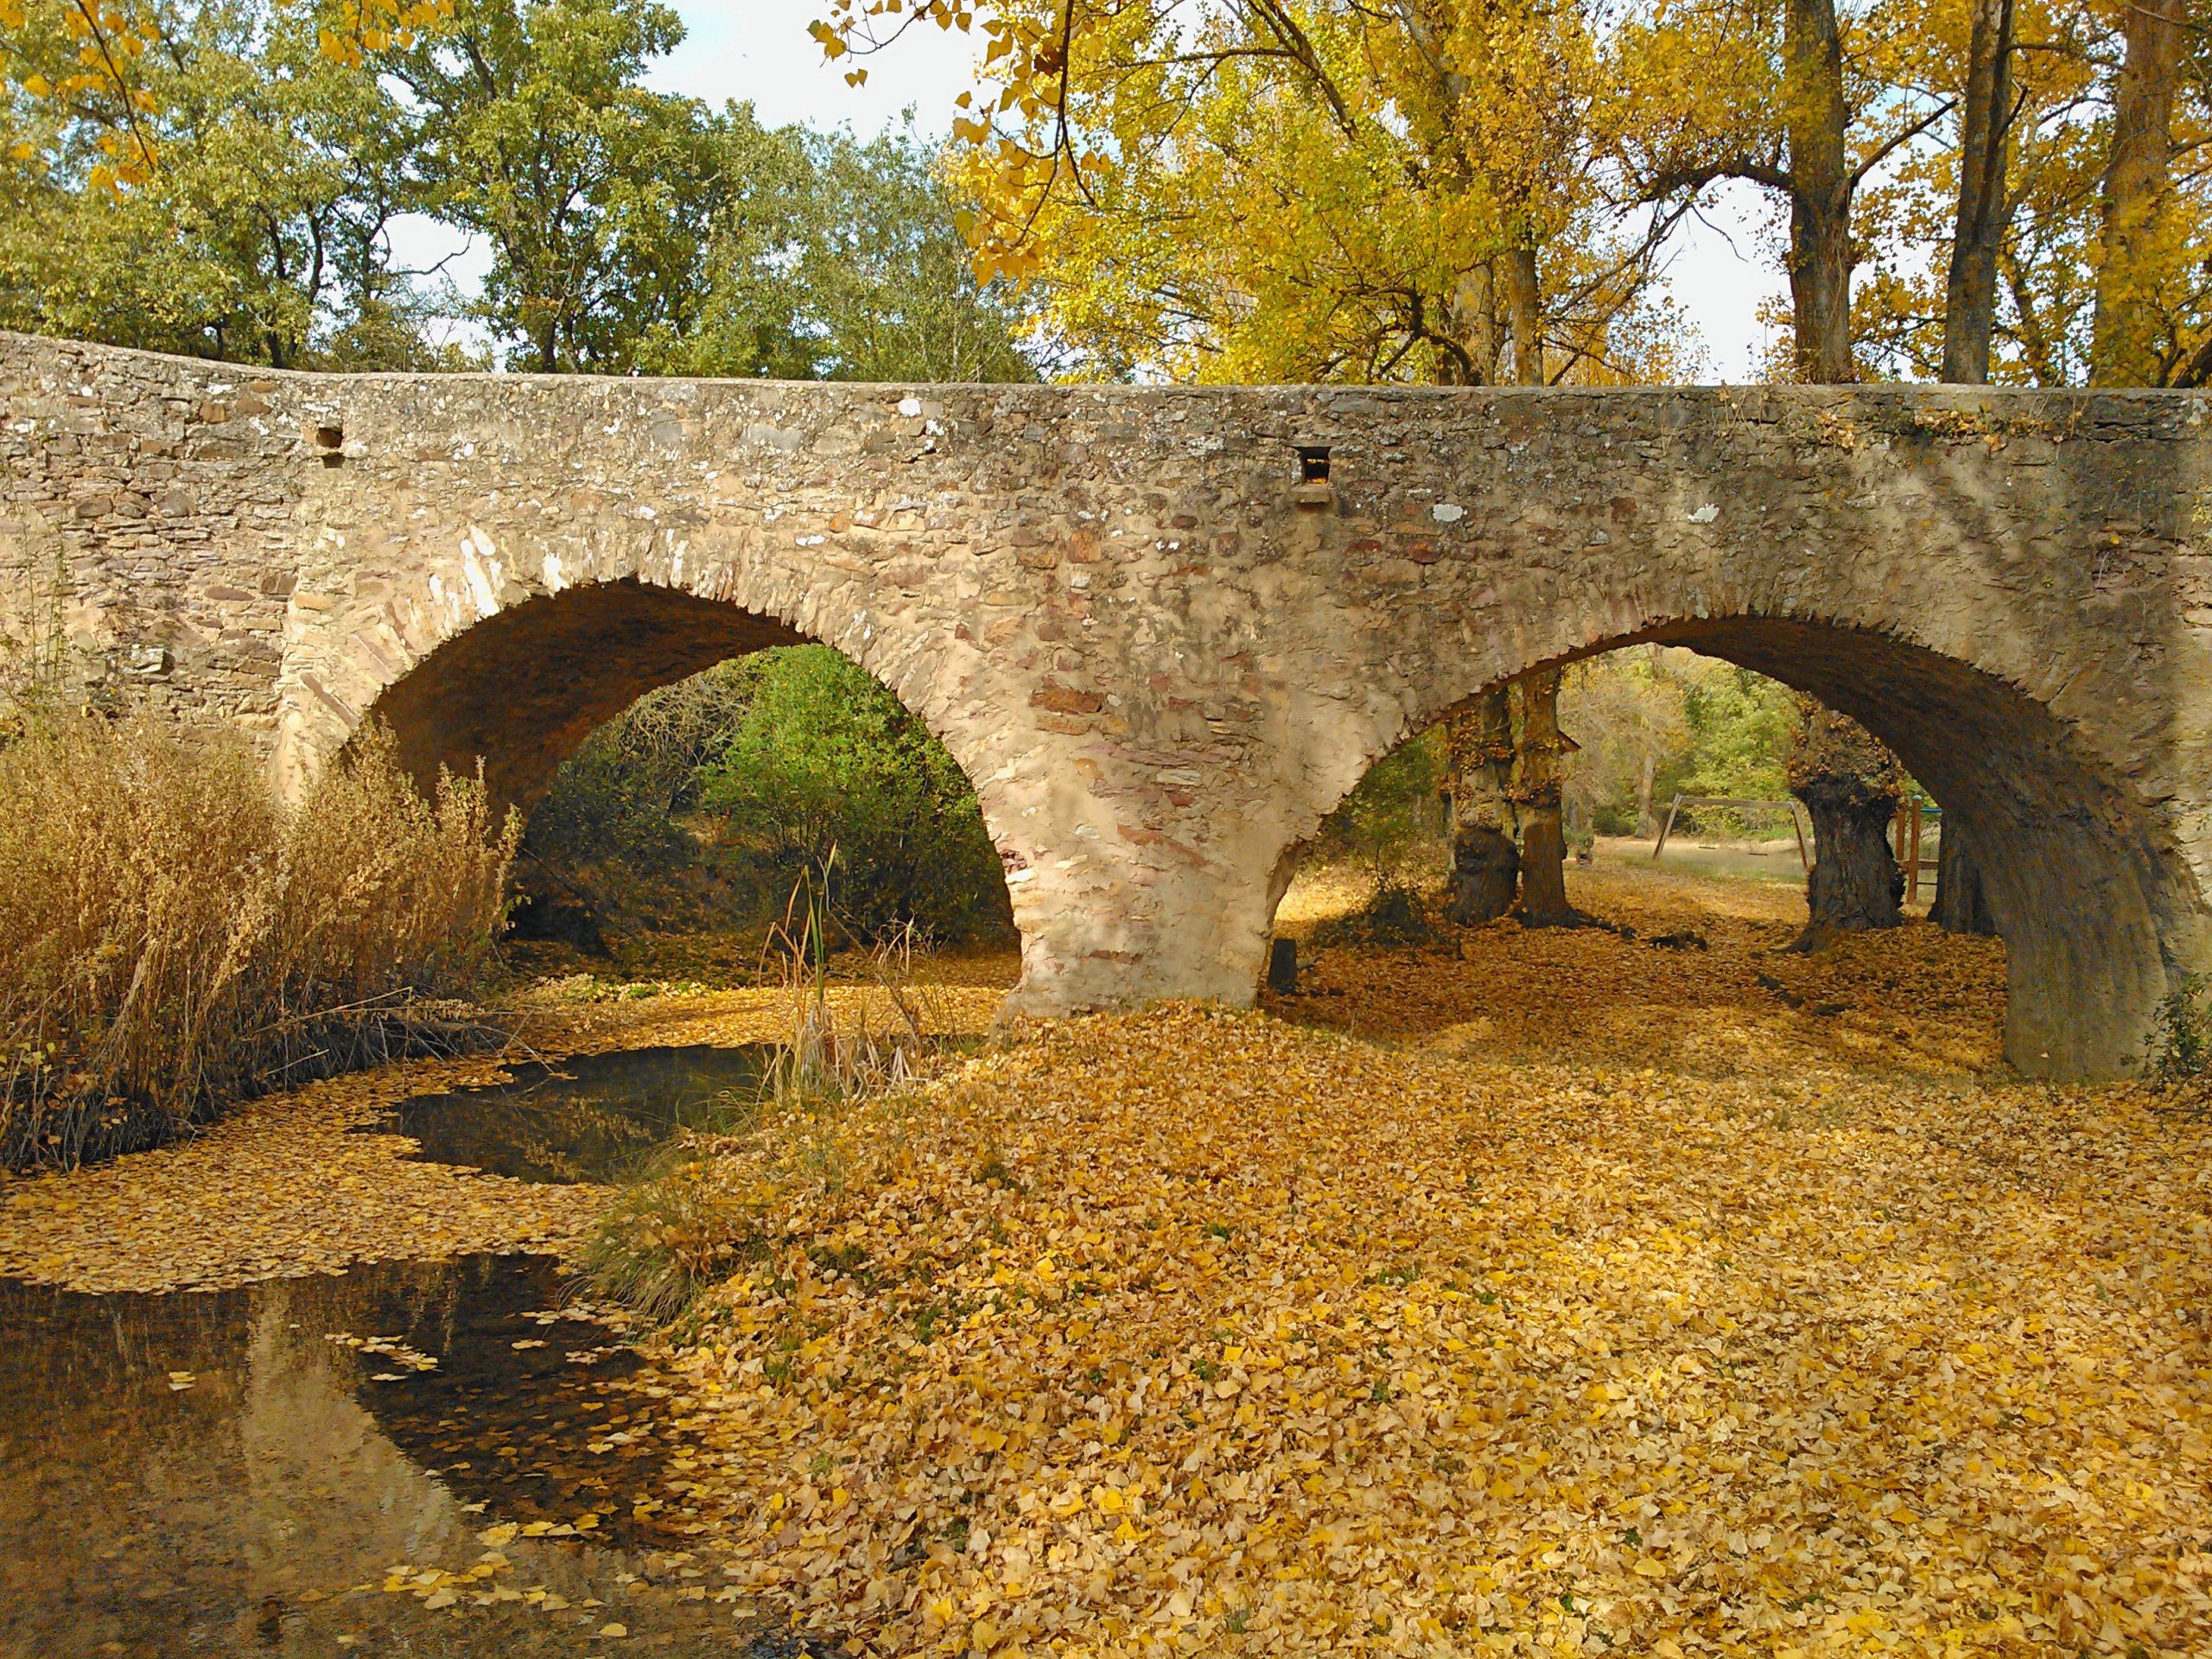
column 480, row 564
column 1706, row 514
column 910, row 407
column 1447, row 512
column 556, row 578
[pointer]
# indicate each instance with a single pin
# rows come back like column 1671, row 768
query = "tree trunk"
column 1985, row 200
column 1474, row 319
column 1525, row 312
column 1850, row 784
column 1822, row 186
column 1646, row 824
column 1855, row 884
column 1540, row 752
column 1485, row 861
column 2123, row 350
column 1961, row 905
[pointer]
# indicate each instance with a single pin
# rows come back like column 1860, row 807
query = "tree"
column 1540, row 752
column 596, row 194
column 1816, row 103
column 1393, row 809
column 1794, row 96
column 261, row 235
column 2100, row 231
column 1984, row 200
column 1265, row 191
column 1851, row 786
column 824, row 759
column 842, row 260
column 1629, row 711
column 2136, row 229
column 1485, row 826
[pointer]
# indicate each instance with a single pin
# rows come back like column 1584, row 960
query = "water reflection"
column 592, row 1118
column 241, row 1472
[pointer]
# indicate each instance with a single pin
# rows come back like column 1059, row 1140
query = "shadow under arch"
column 521, row 689
column 2099, row 910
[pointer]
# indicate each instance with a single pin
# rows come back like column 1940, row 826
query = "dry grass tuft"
column 171, row 937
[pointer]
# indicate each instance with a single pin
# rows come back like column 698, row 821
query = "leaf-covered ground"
column 298, row 1182
column 1759, row 1333
column 1550, row 1293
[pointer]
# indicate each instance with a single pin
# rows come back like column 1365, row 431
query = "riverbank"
column 299, row 1183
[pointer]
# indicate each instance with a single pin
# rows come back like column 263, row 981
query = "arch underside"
column 2099, row 911
column 522, row 689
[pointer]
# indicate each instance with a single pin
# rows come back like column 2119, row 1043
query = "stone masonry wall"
column 1159, row 657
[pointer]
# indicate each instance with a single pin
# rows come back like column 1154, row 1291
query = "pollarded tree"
column 1808, row 100
column 1851, row 786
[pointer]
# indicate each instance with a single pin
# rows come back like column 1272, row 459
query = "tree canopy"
column 225, row 177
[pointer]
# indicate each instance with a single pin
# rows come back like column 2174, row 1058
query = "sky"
column 759, row 51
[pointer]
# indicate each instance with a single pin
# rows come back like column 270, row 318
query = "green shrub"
column 824, row 760
column 2179, row 1046
column 1397, row 808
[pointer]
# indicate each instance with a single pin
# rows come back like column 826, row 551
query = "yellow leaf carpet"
column 1578, row 1294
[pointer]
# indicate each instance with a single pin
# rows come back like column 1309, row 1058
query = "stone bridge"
column 1162, row 645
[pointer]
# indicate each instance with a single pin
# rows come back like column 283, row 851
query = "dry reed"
column 171, row 937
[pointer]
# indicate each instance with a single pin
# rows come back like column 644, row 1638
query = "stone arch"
column 2091, row 891
column 522, row 689
column 519, row 691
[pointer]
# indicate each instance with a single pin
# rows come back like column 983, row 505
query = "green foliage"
column 1741, row 725
column 760, row 769
column 596, row 194
column 824, row 761
column 844, row 264
column 621, row 794
column 2179, row 1045
column 1392, row 811
column 629, row 229
column 260, row 236
column 1653, row 721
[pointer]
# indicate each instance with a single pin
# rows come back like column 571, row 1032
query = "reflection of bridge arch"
column 1161, row 657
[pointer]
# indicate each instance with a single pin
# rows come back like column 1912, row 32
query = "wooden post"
column 1912, row 879
column 1668, row 828
column 1804, row 859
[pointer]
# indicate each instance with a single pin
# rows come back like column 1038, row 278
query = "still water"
column 282, row 1469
